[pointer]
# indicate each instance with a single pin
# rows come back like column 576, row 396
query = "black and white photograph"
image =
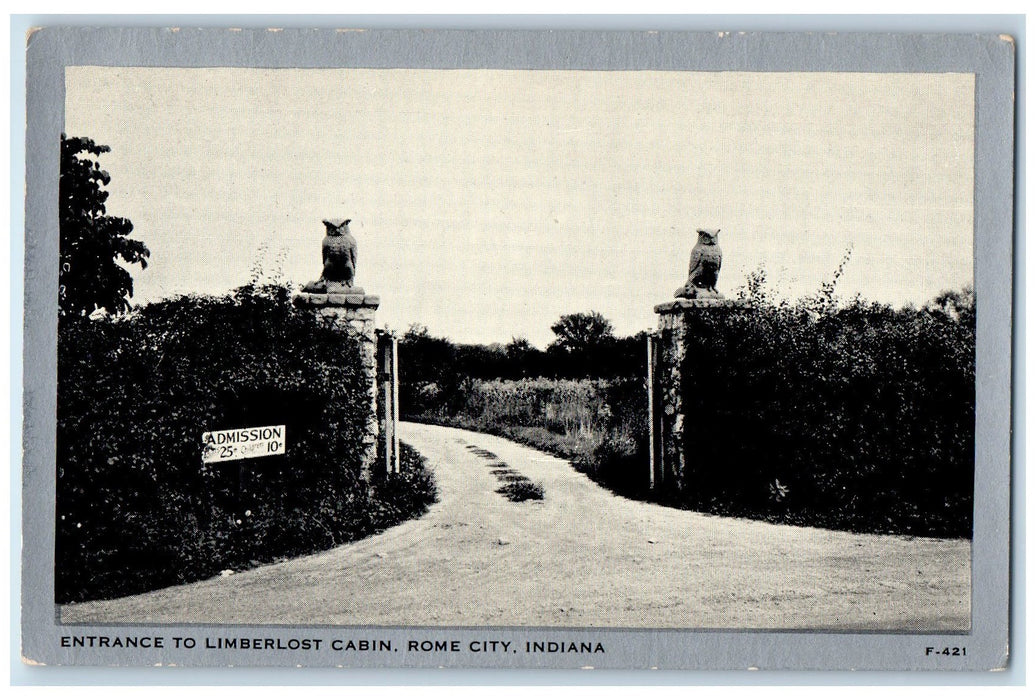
column 366, row 362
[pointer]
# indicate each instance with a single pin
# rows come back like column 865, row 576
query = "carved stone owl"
column 703, row 271
column 338, row 253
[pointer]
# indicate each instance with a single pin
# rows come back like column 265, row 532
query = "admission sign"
column 242, row 443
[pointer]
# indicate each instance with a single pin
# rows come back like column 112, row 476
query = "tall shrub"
column 136, row 507
column 858, row 416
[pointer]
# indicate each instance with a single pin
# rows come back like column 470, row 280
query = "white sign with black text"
column 242, row 443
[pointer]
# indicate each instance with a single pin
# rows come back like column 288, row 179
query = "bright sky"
column 488, row 203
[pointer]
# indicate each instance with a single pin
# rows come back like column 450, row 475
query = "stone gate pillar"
column 671, row 453
column 354, row 314
column 335, row 295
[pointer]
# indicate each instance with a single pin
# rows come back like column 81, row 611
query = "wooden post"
column 651, row 409
column 386, row 398
column 395, row 403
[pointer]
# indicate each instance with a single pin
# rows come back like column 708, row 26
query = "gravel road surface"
column 581, row 557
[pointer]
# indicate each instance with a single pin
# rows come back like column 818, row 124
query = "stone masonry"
column 669, row 357
column 354, row 314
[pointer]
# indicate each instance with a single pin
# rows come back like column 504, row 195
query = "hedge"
column 137, row 509
column 859, row 417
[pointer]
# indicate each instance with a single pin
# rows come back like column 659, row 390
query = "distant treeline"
column 435, row 373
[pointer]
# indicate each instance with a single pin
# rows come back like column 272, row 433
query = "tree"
column 518, row 347
column 523, row 359
column 582, row 332
column 958, row 305
column 583, row 346
column 428, row 373
column 90, row 277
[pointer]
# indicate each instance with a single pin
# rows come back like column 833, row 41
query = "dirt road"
column 582, row 557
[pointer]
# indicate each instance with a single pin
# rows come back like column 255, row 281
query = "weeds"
column 516, row 488
column 521, row 490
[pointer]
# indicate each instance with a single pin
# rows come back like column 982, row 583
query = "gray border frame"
column 992, row 60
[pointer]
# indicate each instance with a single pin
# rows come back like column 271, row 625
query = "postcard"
column 517, row 349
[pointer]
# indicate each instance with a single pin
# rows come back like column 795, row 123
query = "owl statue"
column 339, row 256
column 706, row 259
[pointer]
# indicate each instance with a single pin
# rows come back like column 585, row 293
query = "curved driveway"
column 582, row 557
